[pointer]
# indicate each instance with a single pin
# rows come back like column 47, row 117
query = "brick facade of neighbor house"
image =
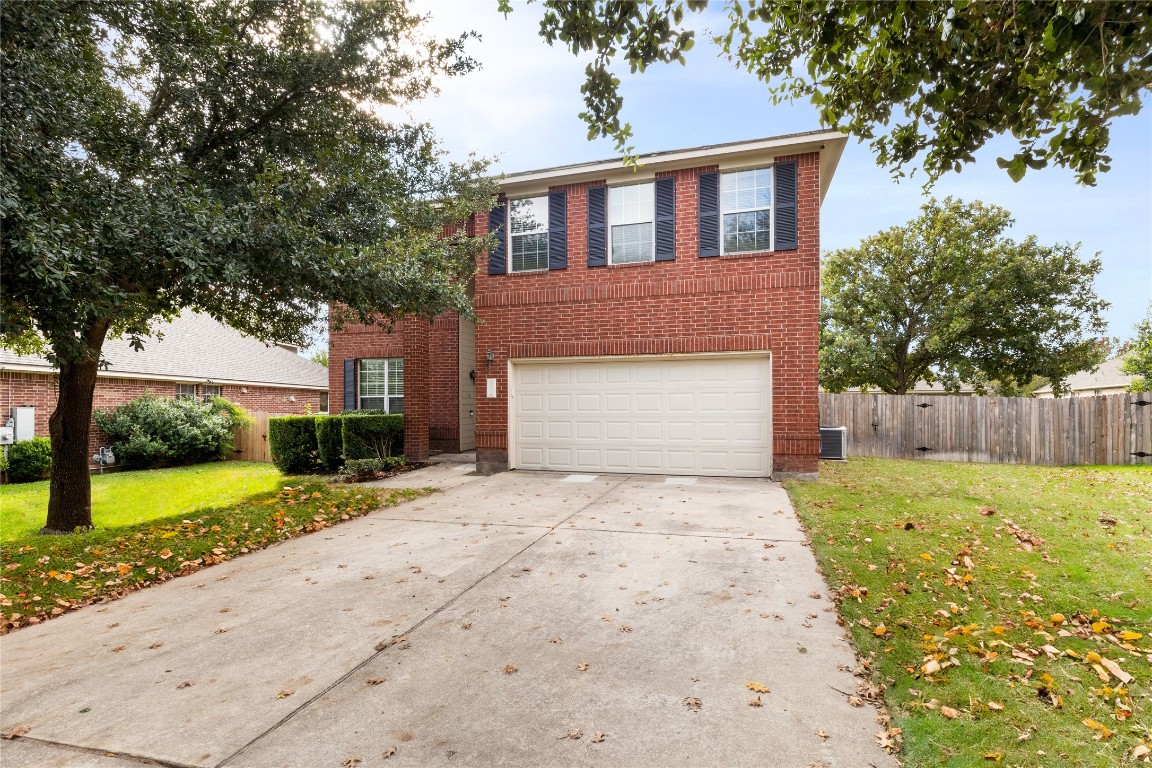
column 39, row 390
column 687, row 301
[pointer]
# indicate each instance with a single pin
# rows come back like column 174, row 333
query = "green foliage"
column 292, row 440
column 29, row 460
column 930, row 80
column 948, row 297
column 1138, row 360
column 365, row 469
column 320, row 357
column 3, row 461
column 372, row 436
column 329, row 442
column 228, row 157
column 151, row 431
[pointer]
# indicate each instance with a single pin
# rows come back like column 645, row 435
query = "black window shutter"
column 785, row 210
column 497, row 225
column 349, row 385
column 597, row 226
column 709, row 214
column 557, row 230
column 665, row 219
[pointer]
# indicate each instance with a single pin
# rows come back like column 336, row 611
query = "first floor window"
column 528, row 219
column 186, row 390
column 323, row 402
column 209, row 391
column 631, row 217
column 746, row 202
column 382, row 385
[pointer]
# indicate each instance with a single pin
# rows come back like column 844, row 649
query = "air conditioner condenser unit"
column 834, row 443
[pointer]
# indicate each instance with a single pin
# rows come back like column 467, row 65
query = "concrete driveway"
column 476, row 627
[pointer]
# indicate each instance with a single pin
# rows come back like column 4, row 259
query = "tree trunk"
column 70, row 488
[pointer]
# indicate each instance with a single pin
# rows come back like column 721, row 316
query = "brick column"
column 417, row 387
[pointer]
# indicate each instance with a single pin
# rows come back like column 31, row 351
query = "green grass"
column 928, row 570
column 121, row 499
column 233, row 514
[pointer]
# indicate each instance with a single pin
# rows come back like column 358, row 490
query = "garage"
column 690, row 415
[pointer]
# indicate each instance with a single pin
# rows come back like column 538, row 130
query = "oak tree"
column 236, row 157
column 1138, row 356
column 934, row 80
column 949, row 297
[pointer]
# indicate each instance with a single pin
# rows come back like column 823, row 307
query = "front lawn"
column 45, row 576
column 120, row 499
column 1005, row 610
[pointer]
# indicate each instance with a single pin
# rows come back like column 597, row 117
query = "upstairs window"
column 382, row 385
column 528, row 225
column 631, row 217
column 746, row 206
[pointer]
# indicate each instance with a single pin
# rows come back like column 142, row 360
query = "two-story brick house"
column 662, row 319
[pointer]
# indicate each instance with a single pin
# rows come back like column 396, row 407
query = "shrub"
column 329, row 442
column 374, row 436
column 152, row 431
column 30, row 460
column 364, row 469
column 292, row 440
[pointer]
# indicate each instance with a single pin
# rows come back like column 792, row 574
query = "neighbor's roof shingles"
column 195, row 347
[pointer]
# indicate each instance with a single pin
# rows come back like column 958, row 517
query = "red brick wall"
column 439, row 380
column 763, row 301
column 745, row 302
column 40, row 390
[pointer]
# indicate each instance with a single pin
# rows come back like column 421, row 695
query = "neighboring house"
column 922, row 389
column 1108, row 379
column 196, row 357
column 662, row 319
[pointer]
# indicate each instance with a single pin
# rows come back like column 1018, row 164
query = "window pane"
column 372, row 380
column 395, row 405
column 633, row 204
column 744, row 190
column 529, row 252
column 530, row 215
column 186, row 390
column 632, row 243
column 208, row 392
column 396, row 377
column 374, row 403
column 745, row 232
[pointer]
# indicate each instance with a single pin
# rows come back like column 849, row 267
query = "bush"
column 155, row 431
column 365, row 469
column 329, row 442
column 292, row 440
column 30, row 460
column 376, row 436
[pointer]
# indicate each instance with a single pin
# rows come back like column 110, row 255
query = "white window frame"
column 190, row 395
column 389, row 362
column 205, row 397
column 770, row 209
column 539, row 231
column 652, row 223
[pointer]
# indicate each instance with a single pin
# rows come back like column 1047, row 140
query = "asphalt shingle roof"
column 1107, row 376
column 196, row 347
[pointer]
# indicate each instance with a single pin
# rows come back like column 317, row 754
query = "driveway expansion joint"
column 124, row 756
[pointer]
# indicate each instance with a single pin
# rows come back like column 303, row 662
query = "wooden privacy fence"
column 251, row 443
column 1107, row 429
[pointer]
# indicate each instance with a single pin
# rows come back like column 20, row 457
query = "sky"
column 521, row 109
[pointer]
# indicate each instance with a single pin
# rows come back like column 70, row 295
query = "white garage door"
column 691, row 415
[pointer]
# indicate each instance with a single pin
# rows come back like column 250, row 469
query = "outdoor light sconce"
column 488, row 358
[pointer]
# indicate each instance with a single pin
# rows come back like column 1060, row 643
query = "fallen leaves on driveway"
column 15, row 733
column 597, row 737
column 756, row 687
column 510, row 668
column 694, row 704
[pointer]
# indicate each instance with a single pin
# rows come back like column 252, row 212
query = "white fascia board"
column 830, row 145
column 109, row 374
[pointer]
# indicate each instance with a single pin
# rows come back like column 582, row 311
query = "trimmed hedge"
column 329, row 442
column 292, row 440
column 366, row 469
column 374, row 436
column 30, row 460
